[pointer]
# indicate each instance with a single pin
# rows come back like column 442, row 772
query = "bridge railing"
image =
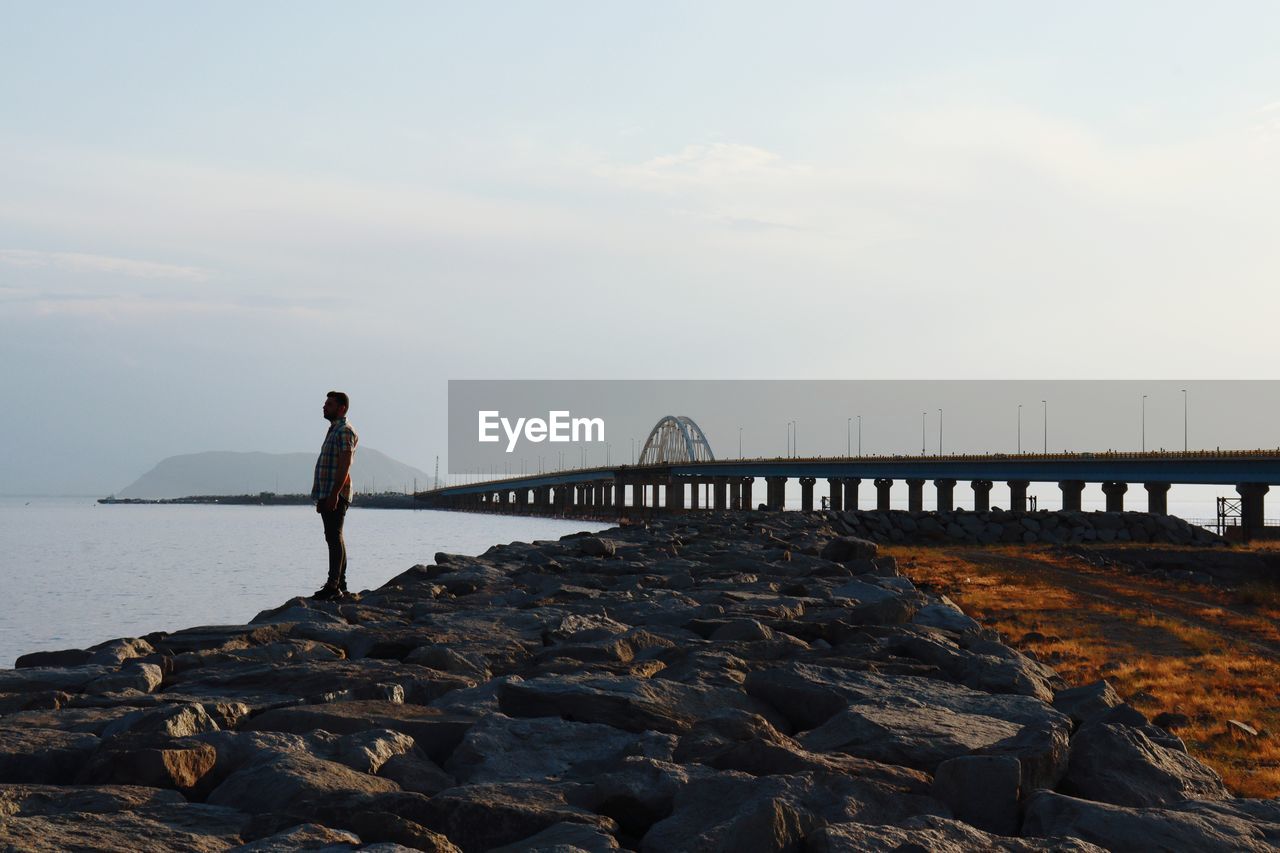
column 1065, row 456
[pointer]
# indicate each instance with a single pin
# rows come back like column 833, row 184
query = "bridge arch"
column 675, row 438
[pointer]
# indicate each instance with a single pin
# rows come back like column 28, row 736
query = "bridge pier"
column 1252, row 517
column 883, row 485
column 776, row 493
column 1114, row 490
column 735, row 493
column 1157, row 498
column 1018, row 495
column 719, row 489
column 851, row 492
column 1071, row 490
column 746, row 493
column 981, row 495
column 836, row 499
column 675, row 494
column 637, row 497
column 946, row 494
column 915, row 494
column 806, row 493
column 620, row 498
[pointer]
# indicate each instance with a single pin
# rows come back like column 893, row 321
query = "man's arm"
column 340, row 478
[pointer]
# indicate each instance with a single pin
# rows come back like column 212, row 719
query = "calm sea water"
column 75, row 573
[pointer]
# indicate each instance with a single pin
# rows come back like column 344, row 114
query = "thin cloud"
column 80, row 262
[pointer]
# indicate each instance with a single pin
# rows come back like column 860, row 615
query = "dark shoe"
column 326, row 593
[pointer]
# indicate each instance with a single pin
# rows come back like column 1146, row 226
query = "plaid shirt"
column 339, row 438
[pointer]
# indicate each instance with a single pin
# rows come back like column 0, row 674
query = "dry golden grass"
column 1198, row 651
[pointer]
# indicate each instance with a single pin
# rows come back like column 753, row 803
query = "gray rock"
column 502, row 749
column 43, row 756
column 981, row 790
column 416, row 773
column 809, row 695
column 292, row 783
column 36, row 679
column 307, row 836
column 846, row 548
column 193, row 827
column 1085, row 703
column 1172, row 830
column 740, row 631
column 865, row 593
column 934, row 834
column 733, row 811
column 150, row 761
column 736, row 740
column 55, row 819
column 564, row 838
column 947, row 616
column 921, row 737
column 633, row 704
column 435, row 731
column 484, row 816
column 1117, row 764
column 368, row 751
column 178, row 720
column 594, row 546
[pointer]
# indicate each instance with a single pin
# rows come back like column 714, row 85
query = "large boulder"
column 484, row 816
column 435, row 731
column 501, row 749
column 151, row 761
column 734, row 811
column 43, row 756
column 290, row 783
column 1119, row 764
column 47, row 819
column 1205, row 828
column 920, row 737
column 632, row 704
column 935, row 835
column 844, row 549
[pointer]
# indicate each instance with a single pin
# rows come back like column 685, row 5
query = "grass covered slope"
column 1207, row 652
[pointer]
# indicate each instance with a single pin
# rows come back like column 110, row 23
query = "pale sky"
column 211, row 214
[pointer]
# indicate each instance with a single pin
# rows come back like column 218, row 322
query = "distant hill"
column 222, row 472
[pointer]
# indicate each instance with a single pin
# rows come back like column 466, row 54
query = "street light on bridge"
column 939, row 432
column 923, row 418
column 1046, row 425
column 1184, row 420
column 1019, row 427
column 1144, row 423
column 859, row 436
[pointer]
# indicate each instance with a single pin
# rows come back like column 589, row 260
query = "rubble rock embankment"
column 1059, row 527
column 743, row 682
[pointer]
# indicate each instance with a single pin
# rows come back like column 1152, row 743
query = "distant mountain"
column 221, row 472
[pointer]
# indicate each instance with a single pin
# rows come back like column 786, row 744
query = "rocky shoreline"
column 718, row 681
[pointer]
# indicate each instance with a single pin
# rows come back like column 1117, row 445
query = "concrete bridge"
column 674, row 485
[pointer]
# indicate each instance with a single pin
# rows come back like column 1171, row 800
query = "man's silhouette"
column 331, row 489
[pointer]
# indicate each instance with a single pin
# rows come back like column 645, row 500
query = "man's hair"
column 341, row 398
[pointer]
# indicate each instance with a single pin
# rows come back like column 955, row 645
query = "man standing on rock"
column 331, row 489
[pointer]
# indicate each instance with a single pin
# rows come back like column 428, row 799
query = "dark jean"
column 337, row 546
